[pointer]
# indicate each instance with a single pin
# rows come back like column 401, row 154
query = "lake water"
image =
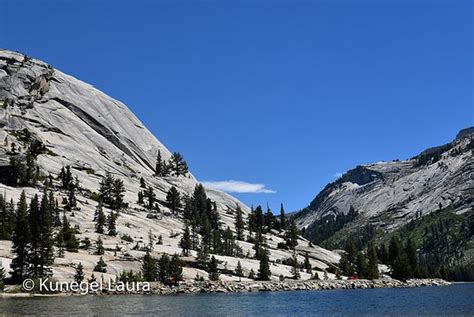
column 449, row 300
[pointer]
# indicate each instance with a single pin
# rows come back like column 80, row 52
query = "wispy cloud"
column 337, row 175
column 232, row 186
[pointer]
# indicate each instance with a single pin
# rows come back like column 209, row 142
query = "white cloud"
column 337, row 175
column 232, row 186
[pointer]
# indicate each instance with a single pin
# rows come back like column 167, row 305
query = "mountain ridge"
column 374, row 202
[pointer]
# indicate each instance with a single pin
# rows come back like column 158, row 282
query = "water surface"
column 451, row 300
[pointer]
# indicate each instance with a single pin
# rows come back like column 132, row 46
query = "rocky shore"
column 275, row 286
column 193, row 287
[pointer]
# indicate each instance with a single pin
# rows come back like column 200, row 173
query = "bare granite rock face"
column 93, row 133
column 82, row 127
column 390, row 194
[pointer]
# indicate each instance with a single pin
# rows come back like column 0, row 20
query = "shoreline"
column 208, row 287
column 291, row 285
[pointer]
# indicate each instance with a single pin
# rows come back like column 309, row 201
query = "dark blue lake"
column 454, row 300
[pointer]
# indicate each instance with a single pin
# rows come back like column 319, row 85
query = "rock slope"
column 390, row 194
column 83, row 128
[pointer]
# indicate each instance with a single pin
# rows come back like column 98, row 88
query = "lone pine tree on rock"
column 238, row 270
column 173, row 199
column 100, row 247
column 79, row 275
column 100, row 266
column 186, row 242
column 100, row 219
column 150, row 196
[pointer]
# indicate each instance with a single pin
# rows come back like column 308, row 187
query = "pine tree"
column 159, row 170
column 150, row 197
column 140, row 198
column 372, row 269
column 199, row 199
column 252, row 274
column 56, row 220
column 292, row 235
column 238, row 270
column 186, row 242
column 92, row 279
column 410, row 250
column 31, row 175
column 256, row 220
column 205, row 231
column 106, row 189
column 79, row 275
column 6, row 219
column 173, row 199
column 268, row 220
column 118, row 191
column 347, row 264
column 100, row 266
column 307, row 264
column 41, row 240
column 259, row 243
column 394, row 249
column 112, row 224
column 176, row 269
column 20, row 240
column 401, row 269
column 202, row 256
column 142, row 182
column 178, row 164
column 86, row 243
column 264, row 272
column 100, row 219
column 66, row 177
column 216, row 237
column 295, row 267
column 228, row 243
column 166, row 169
column 239, row 224
column 151, row 240
column 149, row 268
column 212, row 269
column 164, row 269
column 212, row 214
column 382, row 254
column 282, row 217
column 66, row 238
column 100, row 247
column 72, row 201
column 361, row 264
column 60, row 244
column 351, row 251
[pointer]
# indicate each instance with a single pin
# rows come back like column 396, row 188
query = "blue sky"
column 286, row 94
